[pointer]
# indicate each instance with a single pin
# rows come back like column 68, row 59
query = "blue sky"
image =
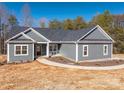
column 65, row 10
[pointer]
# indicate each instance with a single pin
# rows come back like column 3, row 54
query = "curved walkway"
column 45, row 61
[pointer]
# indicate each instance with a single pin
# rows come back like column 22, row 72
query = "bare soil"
column 3, row 59
column 118, row 56
column 98, row 63
column 35, row 75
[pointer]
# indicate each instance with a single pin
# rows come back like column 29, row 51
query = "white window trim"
column 104, row 49
column 21, row 50
column 87, row 51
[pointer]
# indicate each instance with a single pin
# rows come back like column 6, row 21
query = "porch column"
column 47, row 50
column 33, row 51
column 7, row 52
column 76, row 52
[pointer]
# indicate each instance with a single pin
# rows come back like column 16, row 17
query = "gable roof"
column 61, row 35
column 15, row 30
column 100, row 29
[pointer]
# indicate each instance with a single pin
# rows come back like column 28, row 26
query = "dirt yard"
column 118, row 56
column 96, row 64
column 3, row 59
column 35, row 75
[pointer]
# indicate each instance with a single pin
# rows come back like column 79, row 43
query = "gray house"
column 86, row 44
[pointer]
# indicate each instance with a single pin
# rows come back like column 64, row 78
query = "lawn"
column 35, row 75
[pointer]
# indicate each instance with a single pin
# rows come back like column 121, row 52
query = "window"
column 24, row 49
column 105, row 49
column 53, row 48
column 50, row 48
column 85, row 50
column 20, row 50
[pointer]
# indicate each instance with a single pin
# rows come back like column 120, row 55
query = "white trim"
column 33, row 51
column 87, row 51
column 20, row 42
column 111, row 50
column 105, row 33
column 100, row 30
column 104, row 50
column 62, row 42
column 76, row 52
column 93, row 42
column 87, row 33
column 8, row 52
column 26, row 31
column 42, row 42
column 18, row 34
column 23, row 34
column 40, row 34
column 21, row 50
column 47, row 49
column 28, row 37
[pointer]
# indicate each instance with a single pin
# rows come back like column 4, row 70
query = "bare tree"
column 3, row 27
column 26, row 15
column 43, row 21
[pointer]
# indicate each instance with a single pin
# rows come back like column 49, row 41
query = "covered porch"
column 45, row 49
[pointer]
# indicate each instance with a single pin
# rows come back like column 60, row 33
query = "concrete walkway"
column 47, row 62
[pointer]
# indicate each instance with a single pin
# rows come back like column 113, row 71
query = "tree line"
column 8, row 20
column 110, row 23
column 106, row 20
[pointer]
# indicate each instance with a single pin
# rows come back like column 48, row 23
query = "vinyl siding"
column 18, row 38
column 96, row 35
column 36, row 37
column 13, row 58
column 68, row 50
column 31, row 34
column 95, row 52
column 22, row 37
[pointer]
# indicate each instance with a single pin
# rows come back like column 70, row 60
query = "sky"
column 61, row 11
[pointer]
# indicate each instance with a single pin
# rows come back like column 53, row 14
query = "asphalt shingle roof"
column 15, row 30
column 55, row 35
column 62, row 35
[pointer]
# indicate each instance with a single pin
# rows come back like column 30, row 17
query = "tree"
column 27, row 17
column 118, row 35
column 55, row 24
column 79, row 23
column 105, row 20
column 12, row 21
column 68, row 24
column 3, row 27
column 43, row 22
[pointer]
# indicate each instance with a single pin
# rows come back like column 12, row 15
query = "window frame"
column 87, row 51
column 104, row 50
column 21, row 45
column 53, row 48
